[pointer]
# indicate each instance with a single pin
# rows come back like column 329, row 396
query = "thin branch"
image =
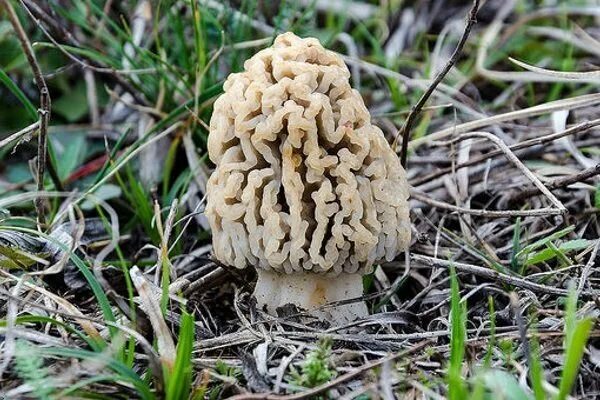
column 559, row 209
column 18, row 135
column 515, row 160
column 44, row 110
column 414, row 112
column 422, row 197
column 559, row 183
column 579, row 128
column 211, row 276
column 494, row 275
column 585, row 273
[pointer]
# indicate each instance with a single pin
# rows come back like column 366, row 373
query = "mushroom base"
column 310, row 291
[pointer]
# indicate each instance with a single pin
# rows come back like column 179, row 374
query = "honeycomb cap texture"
column 303, row 180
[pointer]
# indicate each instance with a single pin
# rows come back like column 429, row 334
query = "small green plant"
column 30, row 368
column 315, row 369
column 499, row 383
column 214, row 389
column 547, row 249
column 507, row 350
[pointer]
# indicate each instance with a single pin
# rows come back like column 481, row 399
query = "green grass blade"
column 570, row 317
column 179, row 380
column 124, row 373
column 576, row 336
column 535, row 370
column 542, row 242
column 83, row 268
column 112, row 155
column 456, row 384
column 85, row 382
column 574, row 356
column 516, row 246
column 18, row 93
column 39, row 319
column 162, row 124
column 142, row 203
column 87, row 53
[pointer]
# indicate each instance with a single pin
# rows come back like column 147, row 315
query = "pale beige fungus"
column 303, row 183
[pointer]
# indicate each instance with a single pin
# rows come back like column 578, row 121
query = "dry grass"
column 503, row 165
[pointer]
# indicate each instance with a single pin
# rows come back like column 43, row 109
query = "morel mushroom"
column 305, row 188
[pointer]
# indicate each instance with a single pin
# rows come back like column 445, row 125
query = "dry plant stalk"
column 44, row 112
column 404, row 132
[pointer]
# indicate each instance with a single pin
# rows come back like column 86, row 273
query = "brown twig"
column 423, row 198
column 44, row 110
column 19, row 135
column 518, row 163
column 494, row 275
column 212, row 276
column 559, row 183
column 579, row 128
column 585, row 273
column 416, row 109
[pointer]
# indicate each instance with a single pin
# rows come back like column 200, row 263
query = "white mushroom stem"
column 309, row 291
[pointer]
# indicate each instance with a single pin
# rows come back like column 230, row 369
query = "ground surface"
column 117, row 296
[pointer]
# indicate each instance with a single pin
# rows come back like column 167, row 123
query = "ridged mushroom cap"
column 303, row 180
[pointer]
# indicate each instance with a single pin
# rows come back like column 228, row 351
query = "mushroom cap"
column 303, row 180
